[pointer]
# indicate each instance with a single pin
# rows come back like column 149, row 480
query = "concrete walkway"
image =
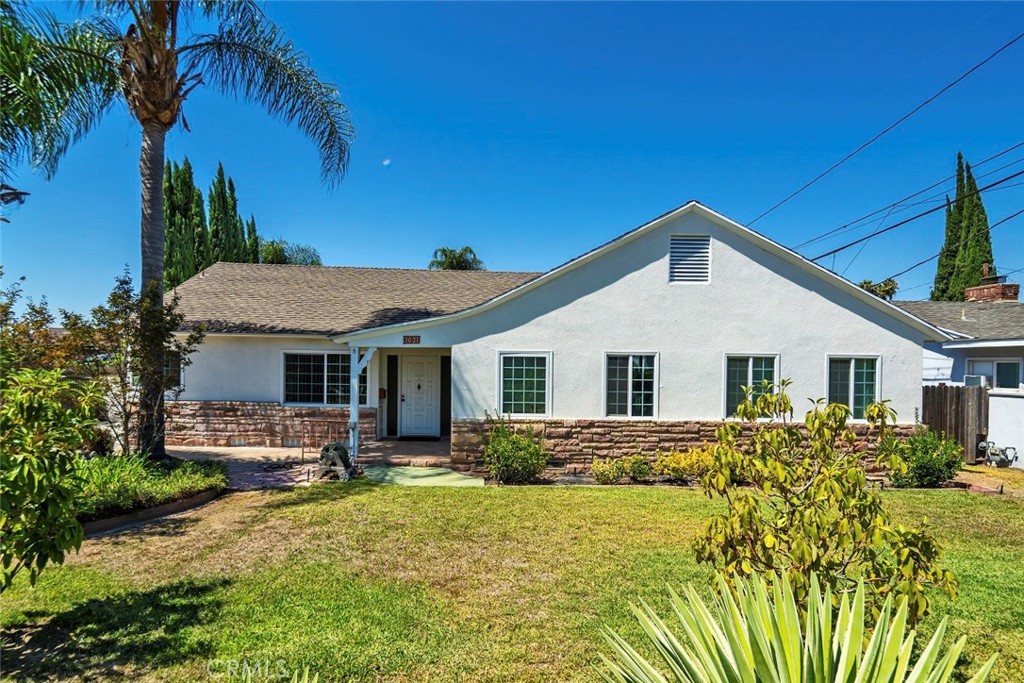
column 410, row 463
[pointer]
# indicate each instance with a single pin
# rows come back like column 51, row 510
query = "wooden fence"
column 960, row 412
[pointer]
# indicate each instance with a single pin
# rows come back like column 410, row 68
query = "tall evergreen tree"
column 946, row 269
column 217, row 217
column 200, row 234
column 252, row 240
column 237, row 250
column 975, row 242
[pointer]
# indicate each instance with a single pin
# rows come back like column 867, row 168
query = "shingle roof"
column 977, row 319
column 280, row 299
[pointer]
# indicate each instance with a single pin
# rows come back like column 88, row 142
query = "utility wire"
column 932, row 258
column 915, row 217
column 889, row 128
column 851, row 224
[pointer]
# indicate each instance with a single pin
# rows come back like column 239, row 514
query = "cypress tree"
column 975, row 242
column 945, row 272
column 200, row 235
column 217, row 207
column 237, row 249
column 252, row 239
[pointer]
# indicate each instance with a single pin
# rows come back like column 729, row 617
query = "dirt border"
column 99, row 526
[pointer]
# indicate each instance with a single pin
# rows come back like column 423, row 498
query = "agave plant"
column 753, row 633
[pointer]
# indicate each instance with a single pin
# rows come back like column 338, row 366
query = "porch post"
column 355, row 368
column 353, row 404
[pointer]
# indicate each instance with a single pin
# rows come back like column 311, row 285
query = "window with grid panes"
column 853, row 382
column 524, row 384
column 320, row 378
column 630, row 385
column 746, row 371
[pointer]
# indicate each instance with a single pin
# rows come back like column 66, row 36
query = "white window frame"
column 499, row 384
column 324, row 403
column 711, row 259
column 851, row 356
column 657, row 386
column 750, row 366
column 1020, row 371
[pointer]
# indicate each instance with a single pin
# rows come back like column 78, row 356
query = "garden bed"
column 119, row 485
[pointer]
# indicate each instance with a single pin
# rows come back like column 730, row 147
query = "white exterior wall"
column 756, row 303
column 251, row 367
column 1006, row 422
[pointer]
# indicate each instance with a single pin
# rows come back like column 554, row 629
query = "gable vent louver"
column 689, row 259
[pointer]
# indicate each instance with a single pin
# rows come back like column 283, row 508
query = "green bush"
column 808, row 508
column 44, row 421
column 514, row 458
column 637, row 467
column 757, row 636
column 688, row 465
column 931, row 460
column 607, row 471
column 116, row 484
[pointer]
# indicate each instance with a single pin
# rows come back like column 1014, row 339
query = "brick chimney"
column 992, row 288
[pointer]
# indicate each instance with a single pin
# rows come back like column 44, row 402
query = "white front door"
column 421, row 397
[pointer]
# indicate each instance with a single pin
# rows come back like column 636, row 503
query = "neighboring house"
column 642, row 343
column 987, row 348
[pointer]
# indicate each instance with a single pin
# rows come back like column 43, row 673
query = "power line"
column 889, row 128
column 851, row 224
column 932, row 258
column 915, row 217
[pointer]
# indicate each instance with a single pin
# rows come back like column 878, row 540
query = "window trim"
column 725, row 376
column 657, row 386
column 711, row 257
column 324, row 403
column 499, row 383
column 851, row 356
column 1020, row 371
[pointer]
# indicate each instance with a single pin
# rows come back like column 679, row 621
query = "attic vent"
column 689, row 259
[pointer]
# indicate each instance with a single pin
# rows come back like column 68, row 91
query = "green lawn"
column 370, row 582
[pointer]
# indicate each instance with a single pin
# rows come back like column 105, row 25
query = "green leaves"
column 808, row 509
column 753, row 631
column 44, row 420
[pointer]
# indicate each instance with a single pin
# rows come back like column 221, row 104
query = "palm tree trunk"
column 151, row 380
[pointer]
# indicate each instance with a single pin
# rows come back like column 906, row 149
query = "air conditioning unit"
column 976, row 380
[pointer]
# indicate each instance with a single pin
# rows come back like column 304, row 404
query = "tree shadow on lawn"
column 320, row 492
column 112, row 638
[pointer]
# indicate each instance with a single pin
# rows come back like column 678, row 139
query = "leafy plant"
column 44, row 420
column 637, row 467
column 931, row 460
column 607, row 471
column 754, row 634
column 808, row 509
column 117, row 484
column 511, row 457
column 688, row 465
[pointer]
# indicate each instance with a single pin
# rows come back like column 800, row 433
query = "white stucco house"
column 640, row 343
column 987, row 347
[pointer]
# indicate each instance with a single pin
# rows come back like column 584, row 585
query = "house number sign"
column 411, row 339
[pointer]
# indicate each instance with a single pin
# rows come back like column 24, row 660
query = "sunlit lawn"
column 370, row 582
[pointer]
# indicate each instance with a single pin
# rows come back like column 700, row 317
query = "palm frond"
column 251, row 58
column 56, row 81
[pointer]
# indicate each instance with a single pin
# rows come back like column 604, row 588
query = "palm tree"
column 447, row 258
column 136, row 43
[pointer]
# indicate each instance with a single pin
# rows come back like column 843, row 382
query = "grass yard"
column 370, row 582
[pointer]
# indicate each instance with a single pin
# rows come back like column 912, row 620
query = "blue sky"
column 533, row 132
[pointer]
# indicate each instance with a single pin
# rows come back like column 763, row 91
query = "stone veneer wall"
column 573, row 444
column 251, row 423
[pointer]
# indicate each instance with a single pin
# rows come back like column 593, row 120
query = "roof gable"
column 931, row 332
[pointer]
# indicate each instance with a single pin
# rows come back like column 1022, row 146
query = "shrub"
column 514, row 458
column 117, row 484
column 931, row 460
column 757, row 636
column 688, row 465
column 607, row 471
column 44, row 421
column 637, row 467
column 809, row 509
